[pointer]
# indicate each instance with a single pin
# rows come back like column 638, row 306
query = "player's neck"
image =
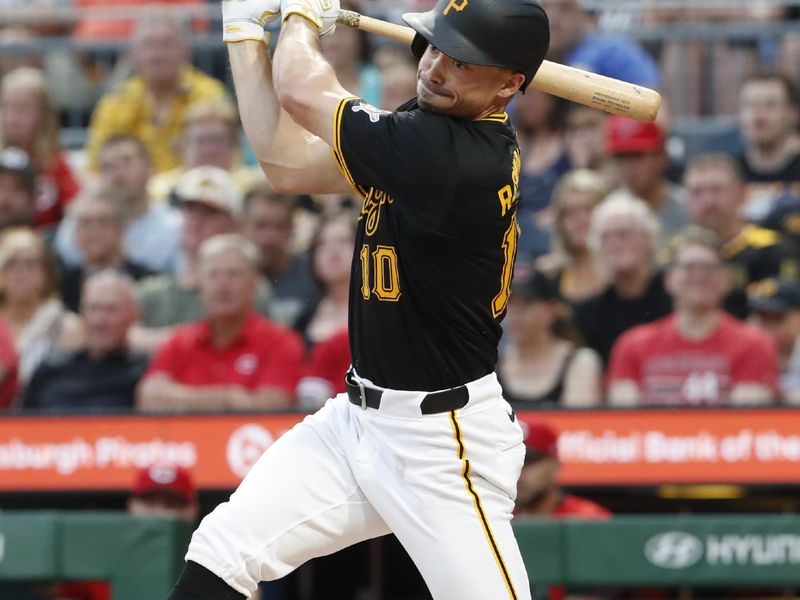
column 495, row 108
column 697, row 323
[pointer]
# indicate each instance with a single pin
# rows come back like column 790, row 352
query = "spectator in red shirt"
column 327, row 367
column 538, row 490
column 164, row 490
column 29, row 120
column 8, row 367
column 232, row 360
column 159, row 490
column 699, row 354
column 540, row 495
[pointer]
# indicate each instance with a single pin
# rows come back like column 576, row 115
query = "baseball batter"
column 422, row 444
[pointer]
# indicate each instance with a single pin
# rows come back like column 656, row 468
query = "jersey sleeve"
column 410, row 155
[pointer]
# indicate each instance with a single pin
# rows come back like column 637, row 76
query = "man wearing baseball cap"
column 637, row 150
column 163, row 489
column 538, row 490
column 211, row 205
column 775, row 306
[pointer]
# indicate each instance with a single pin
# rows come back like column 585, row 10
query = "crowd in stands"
column 155, row 268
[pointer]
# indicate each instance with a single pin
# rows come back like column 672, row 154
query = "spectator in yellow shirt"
column 152, row 103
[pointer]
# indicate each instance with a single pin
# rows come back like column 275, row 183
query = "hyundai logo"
column 673, row 550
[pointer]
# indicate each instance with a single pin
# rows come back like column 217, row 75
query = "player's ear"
column 512, row 83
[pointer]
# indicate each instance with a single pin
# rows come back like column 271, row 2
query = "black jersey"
column 436, row 241
column 753, row 255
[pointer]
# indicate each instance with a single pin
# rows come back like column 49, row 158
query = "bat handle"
column 392, row 31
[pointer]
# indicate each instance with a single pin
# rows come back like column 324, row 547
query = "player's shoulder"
column 411, row 130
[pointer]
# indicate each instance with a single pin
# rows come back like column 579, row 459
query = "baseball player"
column 422, row 444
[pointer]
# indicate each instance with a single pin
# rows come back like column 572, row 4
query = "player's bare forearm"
column 293, row 159
column 306, row 84
column 258, row 105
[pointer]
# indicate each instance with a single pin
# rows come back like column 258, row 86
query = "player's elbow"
column 301, row 102
column 293, row 98
column 281, row 180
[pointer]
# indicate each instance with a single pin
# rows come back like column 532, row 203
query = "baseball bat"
column 590, row 89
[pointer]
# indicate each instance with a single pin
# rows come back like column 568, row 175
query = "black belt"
column 433, row 402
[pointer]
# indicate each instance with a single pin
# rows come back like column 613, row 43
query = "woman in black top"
column 541, row 365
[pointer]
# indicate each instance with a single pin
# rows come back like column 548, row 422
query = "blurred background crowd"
column 144, row 257
column 147, row 265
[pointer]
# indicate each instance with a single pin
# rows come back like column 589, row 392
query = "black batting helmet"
column 513, row 34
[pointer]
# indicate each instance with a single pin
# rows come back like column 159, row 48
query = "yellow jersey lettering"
column 506, row 196
column 456, row 5
column 384, row 273
column 509, row 244
column 508, row 193
column 387, row 279
column 371, row 209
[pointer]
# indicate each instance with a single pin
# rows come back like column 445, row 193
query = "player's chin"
column 437, row 104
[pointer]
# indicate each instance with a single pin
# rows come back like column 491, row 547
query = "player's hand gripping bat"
column 604, row 93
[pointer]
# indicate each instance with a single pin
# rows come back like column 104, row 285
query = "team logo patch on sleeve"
column 374, row 113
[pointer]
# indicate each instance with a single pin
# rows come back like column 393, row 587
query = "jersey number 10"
column 384, row 275
column 510, row 237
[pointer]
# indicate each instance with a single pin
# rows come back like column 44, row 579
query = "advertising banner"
column 596, row 447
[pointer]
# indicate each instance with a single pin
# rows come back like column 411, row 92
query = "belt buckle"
column 362, row 392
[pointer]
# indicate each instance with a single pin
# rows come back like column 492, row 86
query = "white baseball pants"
column 444, row 484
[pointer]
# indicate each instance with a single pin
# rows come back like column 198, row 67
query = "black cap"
column 533, row 284
column 513, row 34
column 15, row 160
column 775, row 296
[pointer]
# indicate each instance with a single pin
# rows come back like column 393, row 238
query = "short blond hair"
column 581, row 181
column 224, row 242
column 207, row 110
column 694, row 235
column 623, row 204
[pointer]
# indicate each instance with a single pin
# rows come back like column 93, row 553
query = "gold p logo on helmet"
column 459, row 6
